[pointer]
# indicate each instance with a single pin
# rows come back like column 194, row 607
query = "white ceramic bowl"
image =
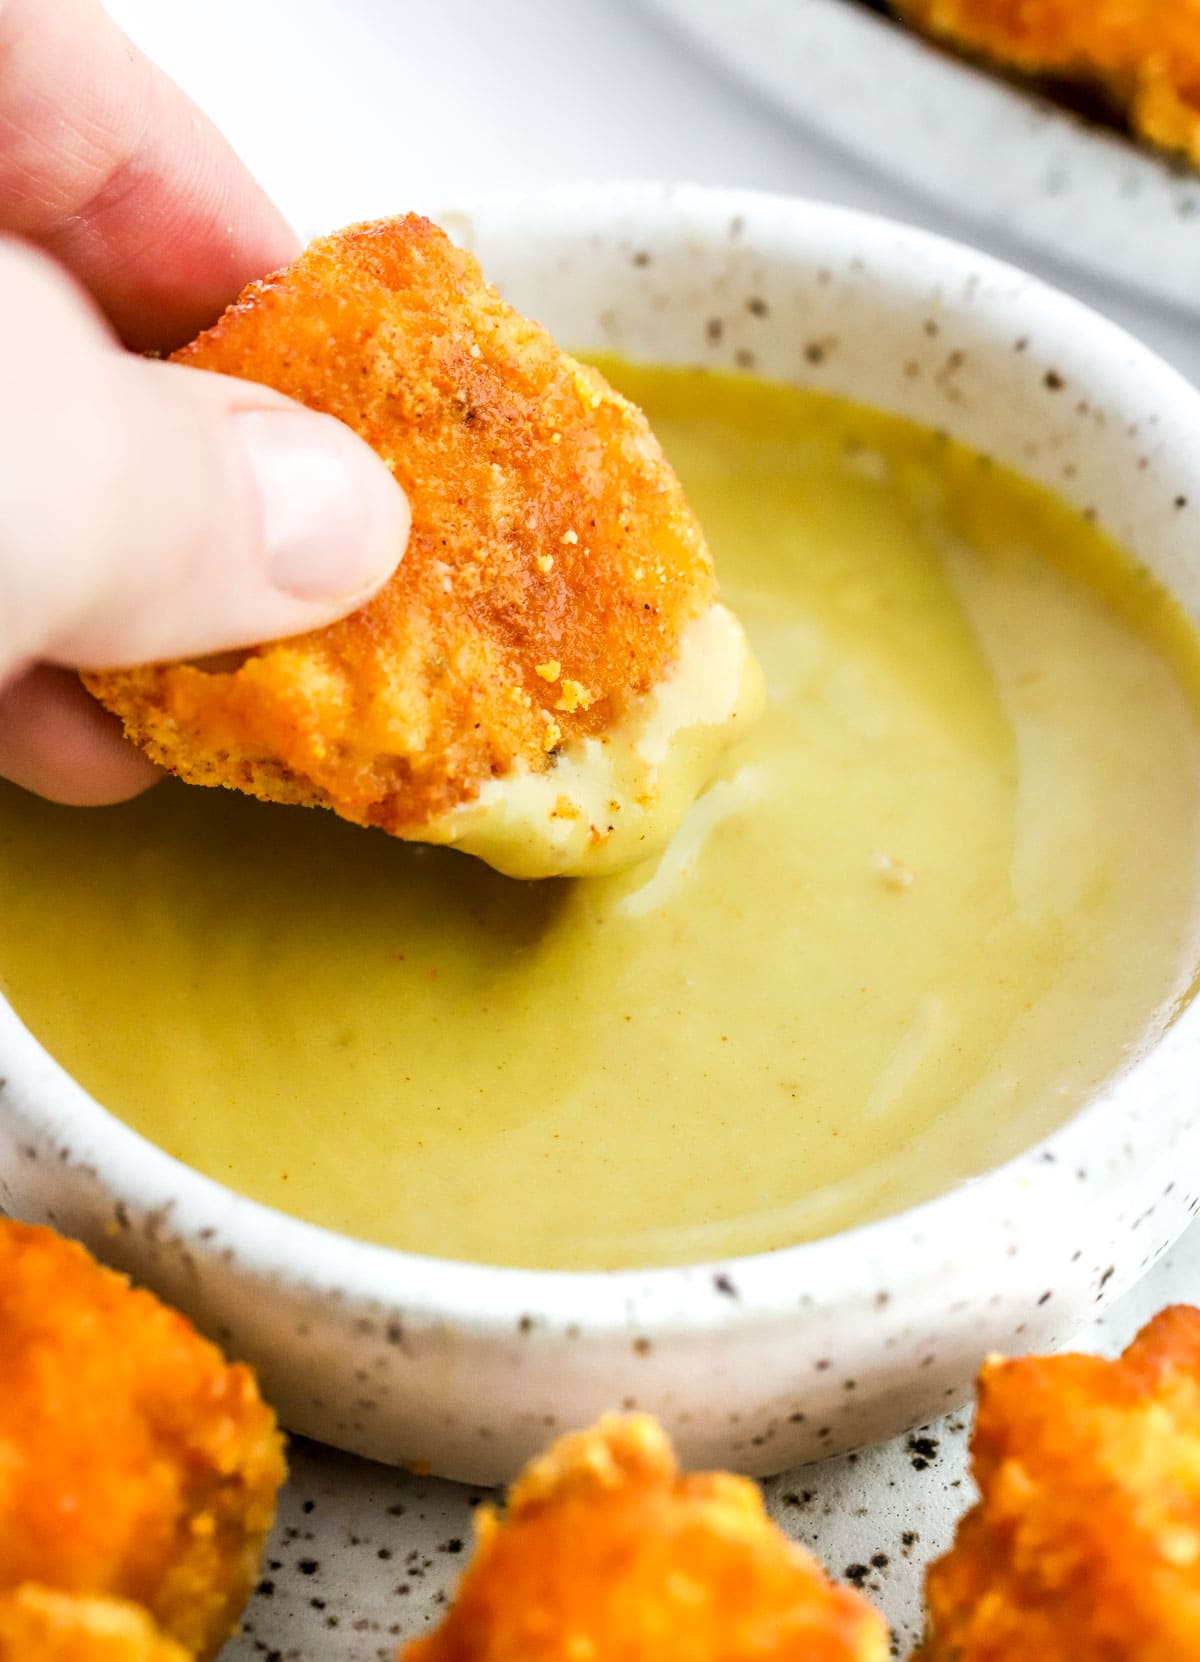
column 765, row 1361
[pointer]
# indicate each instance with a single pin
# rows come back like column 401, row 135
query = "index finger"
column 110, row 168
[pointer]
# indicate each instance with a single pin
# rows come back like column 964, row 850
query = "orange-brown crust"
column 1085, row 1544
column 38, row 1624
column 607, row 1552
column 134, row 1461
column 552, row 567
column 1143, row 54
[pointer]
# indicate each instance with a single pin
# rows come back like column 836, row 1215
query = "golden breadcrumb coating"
column 607, row 1554
column 134, row 1461
column 1085, row 1544
column 1144, row 55
column 38, row 1624
column 552, row 567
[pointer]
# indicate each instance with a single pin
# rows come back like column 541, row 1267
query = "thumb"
column 156, row 511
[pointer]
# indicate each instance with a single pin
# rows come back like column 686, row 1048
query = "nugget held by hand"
column 607, row 1551
column 1085, row 1543
column 136, row 1463
column 38, row 1624
column 546, row 680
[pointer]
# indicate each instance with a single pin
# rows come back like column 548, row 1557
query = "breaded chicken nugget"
column 134, row 1461
column 607, row 1553
column 1085, row 1544
column 38, row 1624
column 553, row 580
column 1143, row 54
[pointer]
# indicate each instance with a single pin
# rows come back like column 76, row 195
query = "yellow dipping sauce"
column 947, row 885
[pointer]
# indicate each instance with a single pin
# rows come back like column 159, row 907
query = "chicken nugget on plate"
column 135, row 1462
column 607, row 1552
column 1142, row 55
column 1085, row 1543
column 547, row 679
column 38, row 1624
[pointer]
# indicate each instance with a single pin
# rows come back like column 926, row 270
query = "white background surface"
column 352, row 108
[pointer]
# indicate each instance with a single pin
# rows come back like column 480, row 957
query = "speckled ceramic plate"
column 1016, row 162
column 364, row 1557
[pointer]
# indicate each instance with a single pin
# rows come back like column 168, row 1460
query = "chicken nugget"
column 607, row 1552
column 38, row 1624
column 1143, row 56
column 547, row 679
column 1085, row 1543
column 134, row 1461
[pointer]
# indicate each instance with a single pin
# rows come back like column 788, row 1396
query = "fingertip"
column 56, row 741
column 334, row 522
column 118, row 175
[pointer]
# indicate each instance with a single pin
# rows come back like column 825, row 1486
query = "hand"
column 147, row 511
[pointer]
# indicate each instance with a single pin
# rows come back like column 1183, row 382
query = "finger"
column 106, row 165
column 56, row 740
column 152, row 511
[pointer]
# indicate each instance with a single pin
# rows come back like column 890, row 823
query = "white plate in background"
column 1088, row 198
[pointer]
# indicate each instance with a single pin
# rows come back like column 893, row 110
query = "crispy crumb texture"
column 552, row 568
column 135, row 1463
column 1143, row 56
column 1085, row 1544
column 38, row 1624
column 606, row 1551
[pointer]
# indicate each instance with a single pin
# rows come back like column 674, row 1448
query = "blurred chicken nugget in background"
column 606, row 1551
column 135, row 1463
column 1141, row 56
column 1085, row 1543
column 38, row 1624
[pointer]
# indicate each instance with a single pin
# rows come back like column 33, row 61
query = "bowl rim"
column 1042, row 1181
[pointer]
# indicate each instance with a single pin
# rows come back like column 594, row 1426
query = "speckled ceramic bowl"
column 765, row 1361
